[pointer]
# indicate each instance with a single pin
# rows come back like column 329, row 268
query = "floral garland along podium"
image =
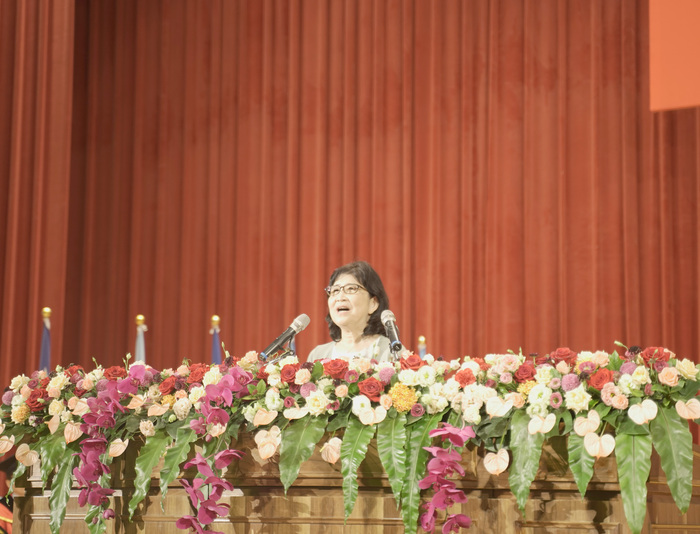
column 73, row 423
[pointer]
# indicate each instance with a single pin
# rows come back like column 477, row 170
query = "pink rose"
column 669, row 376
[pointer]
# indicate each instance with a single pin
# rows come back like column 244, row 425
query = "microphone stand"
column 279, row 355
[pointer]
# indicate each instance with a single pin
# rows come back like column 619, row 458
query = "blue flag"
column 215, row 340
column 45, row 357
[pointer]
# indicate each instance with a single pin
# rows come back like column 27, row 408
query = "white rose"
column 19, row 382
column 641, row 376
column 273, row 401
column 471, row 415
column 58, row 382
column 56, row 407
column 212, row 376
column 146, row 428
column 408, row 377
column 426, row 376
column 181, row 408
column 196, row 393
column 687, row 369
column 316, row 402
column 577, row 399
column 540, row 395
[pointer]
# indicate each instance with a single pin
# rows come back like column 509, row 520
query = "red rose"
column 371, row 388
column 651, row 354
column 73, row 370
column 44, row 381
column 114, row 373
column 167, row 386
column 524, row 373
column 289, row 373
column 412, row 362
column 564, row 354
column 197, row 372
column 600, row 378
column 465, row 377
column 336, row 368
column 38, row 400
column 541, row 359
column 262, row 375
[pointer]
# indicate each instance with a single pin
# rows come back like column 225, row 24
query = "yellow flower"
column 20, row 414
column 403, row 397
column 525, row 388
column 168, row 400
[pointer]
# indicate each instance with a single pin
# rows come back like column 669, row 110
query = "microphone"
column 392, row 331
column 297, row 326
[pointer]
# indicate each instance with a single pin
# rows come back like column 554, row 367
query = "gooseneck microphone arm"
column 285, row 337
column 392, row 331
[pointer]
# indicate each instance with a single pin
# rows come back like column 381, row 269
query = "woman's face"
column 351, row 312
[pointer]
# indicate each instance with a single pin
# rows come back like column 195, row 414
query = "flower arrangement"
column 73, row 422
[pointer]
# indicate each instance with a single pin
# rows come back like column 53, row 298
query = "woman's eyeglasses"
column 348, row 289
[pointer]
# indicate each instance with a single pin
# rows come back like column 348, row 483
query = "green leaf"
column 416, row 458
column 674, row 443
column 352, row 452
column 580, row 463
column 633, row 455
column 53, row 451
column 175, row 456
column 148, row 458
column 527, row 449
column 391, row 443
column 60, row 490
column 299, row 440
column 339, row 421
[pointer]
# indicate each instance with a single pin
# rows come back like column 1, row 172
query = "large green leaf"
column 633, row 455
column 148, row 458
column 52, row 449
column 527, row 449
column 391, row 446
column 416, row 458
column 580, row 463
column 175, row 456
column 674, row 443
column 352, row 452
column 299, row 440
column 60, row 490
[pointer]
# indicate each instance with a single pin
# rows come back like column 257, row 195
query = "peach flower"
column 362, row 365
column 330, row 451
column 26, row 456
column 54, row 423
column 341, row 391
column 72, row 432
column 81, row 407
column 117, row 447
column 158, row 409
column 302, row 377
column 136, row 402
column 264, row 417
column 6, row 443
column 268, row 441
column 669, row 376
column 385, row 401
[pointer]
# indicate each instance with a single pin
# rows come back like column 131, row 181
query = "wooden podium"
column 314, row 504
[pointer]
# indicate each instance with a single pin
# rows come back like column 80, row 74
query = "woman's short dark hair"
column 369, row 279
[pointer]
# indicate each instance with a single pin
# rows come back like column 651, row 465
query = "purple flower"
column 334, row 406
column 7, row 397
column 386, row 374
column 569, row 382
column 490, row 383
column 417, row 410
column 289, row 402
column 225, row 457
column 189, row 521
column 659, row 365
column 586, row 368
column 294, row 388
column 427, row 519
column 221, row 393
column 199, row 426
column 108, row 514
column 241, row 379
column 351, row 376
column 210, row 510
column 200, row 462
column 628, row 368
column 505, row 378
column 456, row 436
column 218, row 485
column 455, row 522
column 555, row 383
column 648, row 390
column 447, row 497
column 307, row 389
column 555, row 400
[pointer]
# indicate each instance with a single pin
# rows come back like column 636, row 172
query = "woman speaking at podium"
column 356, row 300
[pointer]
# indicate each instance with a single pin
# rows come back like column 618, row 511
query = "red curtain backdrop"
column 496, row 162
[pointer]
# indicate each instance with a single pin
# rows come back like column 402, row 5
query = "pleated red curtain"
column 495, row 161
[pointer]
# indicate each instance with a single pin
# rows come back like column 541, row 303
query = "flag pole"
column 140, row 352
column 45, row 355
column 215, row 340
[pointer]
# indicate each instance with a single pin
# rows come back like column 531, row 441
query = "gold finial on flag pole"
column 46, row 312
column 215, row 321
column 140, row 319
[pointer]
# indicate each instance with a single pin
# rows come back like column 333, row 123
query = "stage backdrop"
column 497, row 163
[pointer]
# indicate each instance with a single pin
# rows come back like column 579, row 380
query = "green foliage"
column 149, row 456
column 299, row 440
column 391, row 442
column 633, row 455
column 352, row 452
column 527, row 449
column 674, row 443
column 580, row 463
column 417, row 457
column 61, row 486
column 174, row 457
column 52, row 450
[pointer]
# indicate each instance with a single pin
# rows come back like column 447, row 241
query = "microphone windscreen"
column 301, row 322
column 388, row 315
